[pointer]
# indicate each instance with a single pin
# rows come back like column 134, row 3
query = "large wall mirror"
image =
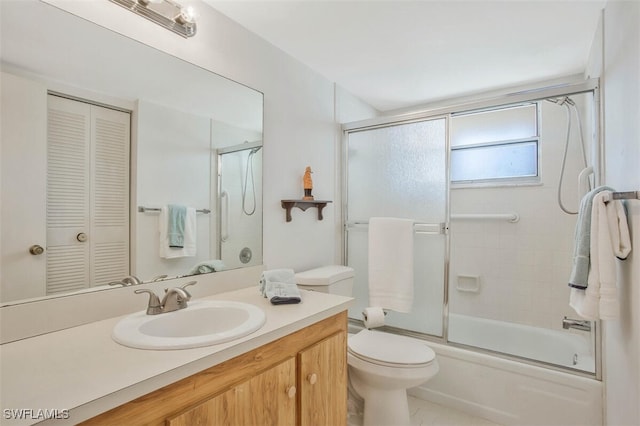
column 118, row 160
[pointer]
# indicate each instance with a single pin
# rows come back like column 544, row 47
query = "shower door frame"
column 446, row 111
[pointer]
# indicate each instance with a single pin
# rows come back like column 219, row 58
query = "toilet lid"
column 390, row 348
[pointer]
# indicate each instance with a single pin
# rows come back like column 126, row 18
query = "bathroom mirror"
column 192, row 138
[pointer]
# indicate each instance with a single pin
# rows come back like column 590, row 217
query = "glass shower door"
column 240, row 212
column 400, row 170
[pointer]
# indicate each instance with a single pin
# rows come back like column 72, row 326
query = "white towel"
column 391, row 263
column 609, row 239
column 189, row 249
column 279, row 286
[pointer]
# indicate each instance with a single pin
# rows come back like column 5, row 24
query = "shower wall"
column 522, row 267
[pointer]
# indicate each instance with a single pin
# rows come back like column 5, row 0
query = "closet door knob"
column 312, row 378
column 291, row 391
column 36, row 250
column 82, row 237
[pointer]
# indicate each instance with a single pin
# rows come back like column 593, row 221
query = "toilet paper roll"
column 373, row 317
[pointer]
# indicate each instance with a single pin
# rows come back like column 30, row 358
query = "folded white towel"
column 279, row 286
column 609, row 239
column 189, row 249
column 391, row 263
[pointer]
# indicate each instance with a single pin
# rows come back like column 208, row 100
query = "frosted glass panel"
column 511, row 160
column 400, row 171
column 494, row 125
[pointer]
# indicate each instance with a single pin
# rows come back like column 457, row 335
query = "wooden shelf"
column 303, row 205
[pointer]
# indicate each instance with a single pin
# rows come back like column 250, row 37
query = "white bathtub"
column 511, row 392
column 551, row 346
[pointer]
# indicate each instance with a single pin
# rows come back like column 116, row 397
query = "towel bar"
column 627, row 195
column 142, row 209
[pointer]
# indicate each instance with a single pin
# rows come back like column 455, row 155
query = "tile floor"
column 425, row 413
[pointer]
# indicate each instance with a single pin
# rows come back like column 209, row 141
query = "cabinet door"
column 323, row 382
column 266, row 399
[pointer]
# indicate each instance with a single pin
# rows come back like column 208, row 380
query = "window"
column 499, row 145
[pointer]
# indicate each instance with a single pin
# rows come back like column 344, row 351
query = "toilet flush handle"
column 312, row 378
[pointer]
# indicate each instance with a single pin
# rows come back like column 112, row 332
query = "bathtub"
column 510, row 392
column 551, row 346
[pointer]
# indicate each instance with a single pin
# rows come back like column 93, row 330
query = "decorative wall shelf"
column 303, row 205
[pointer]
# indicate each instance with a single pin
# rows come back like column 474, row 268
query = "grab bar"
column 584, row 185
column 418, row 228
column 511, row 217
column 225, row 219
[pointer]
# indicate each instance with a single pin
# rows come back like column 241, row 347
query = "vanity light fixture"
column 166, row 13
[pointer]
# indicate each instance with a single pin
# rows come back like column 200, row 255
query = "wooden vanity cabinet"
column 268, row 398
column 322, row 381
column 300, row 379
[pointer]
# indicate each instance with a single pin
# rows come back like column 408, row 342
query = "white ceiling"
column 395, row 54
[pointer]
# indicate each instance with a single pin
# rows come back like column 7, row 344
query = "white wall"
column 173, row 167
column 621, row 102
column 299, row 124
column 523, row 266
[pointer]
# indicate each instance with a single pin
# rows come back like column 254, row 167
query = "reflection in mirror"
column 118, row 160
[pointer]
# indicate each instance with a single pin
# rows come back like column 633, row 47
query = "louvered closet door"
column 110, row 135
column 87, row 195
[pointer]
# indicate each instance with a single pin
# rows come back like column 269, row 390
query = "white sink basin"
column 202, row 323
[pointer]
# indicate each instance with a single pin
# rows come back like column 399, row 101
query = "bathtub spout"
column 568, row 323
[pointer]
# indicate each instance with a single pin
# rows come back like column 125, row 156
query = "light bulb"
column 186, row 16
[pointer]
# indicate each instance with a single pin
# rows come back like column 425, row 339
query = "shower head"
column 561, row 101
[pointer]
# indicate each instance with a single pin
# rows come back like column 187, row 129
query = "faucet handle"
column 154, row 307
column 184, row 287
column 159, row 277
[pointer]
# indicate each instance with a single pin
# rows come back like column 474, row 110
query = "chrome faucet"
column 131, row 280
column 174, row 298
column 127, row 281
column 583, row 325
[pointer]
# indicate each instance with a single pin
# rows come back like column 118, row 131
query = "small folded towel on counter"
column 173, row 230
column 207, row 267
column 279, row 286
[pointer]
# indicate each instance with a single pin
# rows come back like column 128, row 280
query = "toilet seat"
column 390, row 350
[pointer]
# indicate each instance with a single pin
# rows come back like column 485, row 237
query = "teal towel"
column 175, row 229
column 582, row 248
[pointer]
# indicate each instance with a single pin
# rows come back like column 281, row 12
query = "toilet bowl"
column 381, row 366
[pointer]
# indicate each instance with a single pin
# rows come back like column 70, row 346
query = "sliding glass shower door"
column 399, row 170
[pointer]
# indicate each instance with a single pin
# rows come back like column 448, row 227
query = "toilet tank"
column 334, row 279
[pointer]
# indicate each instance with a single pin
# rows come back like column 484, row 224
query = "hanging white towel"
column 189, row 248
column 609, row 240
column 391, row 263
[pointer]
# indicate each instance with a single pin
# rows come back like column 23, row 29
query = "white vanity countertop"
column 84, row 371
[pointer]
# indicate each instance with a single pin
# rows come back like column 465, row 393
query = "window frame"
column 530, row 180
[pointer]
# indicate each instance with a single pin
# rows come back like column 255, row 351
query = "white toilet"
column 382, row 366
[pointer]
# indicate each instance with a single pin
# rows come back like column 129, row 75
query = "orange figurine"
column 307, row 184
